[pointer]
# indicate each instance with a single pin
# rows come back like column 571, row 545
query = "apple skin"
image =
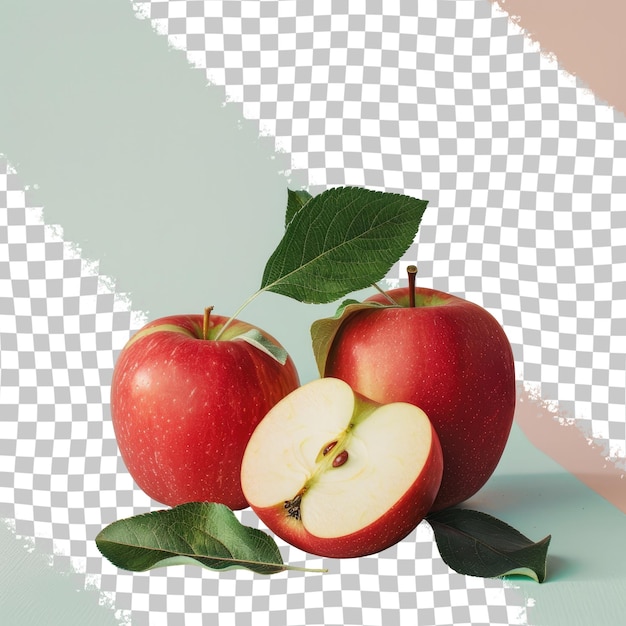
column 448, row 356
column 184, row 407
column 405, row 511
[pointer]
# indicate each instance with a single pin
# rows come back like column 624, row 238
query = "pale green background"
column 148, row 171
column 143, row 165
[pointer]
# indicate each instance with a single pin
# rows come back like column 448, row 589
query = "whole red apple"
column 337, row 475
column 448, row 356
column 184, row 405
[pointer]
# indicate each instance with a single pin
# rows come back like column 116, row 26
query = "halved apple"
column 338, row 475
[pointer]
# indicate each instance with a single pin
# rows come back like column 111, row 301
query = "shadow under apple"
column 536, row 496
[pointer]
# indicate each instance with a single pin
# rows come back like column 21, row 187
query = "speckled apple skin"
column 448, row 356
column 183, row 408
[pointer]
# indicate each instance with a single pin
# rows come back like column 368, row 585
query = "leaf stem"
column 377, row 286
column 322, row 570
column 237, row 312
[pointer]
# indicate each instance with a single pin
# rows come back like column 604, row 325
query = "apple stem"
column 384, row 293
column 205, row 322
column 411, row 270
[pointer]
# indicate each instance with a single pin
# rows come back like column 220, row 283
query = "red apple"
column 184, row 405
column 337, row 475
column 446, row 355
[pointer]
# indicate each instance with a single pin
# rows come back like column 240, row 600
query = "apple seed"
column 328, row 448
column 340, row 459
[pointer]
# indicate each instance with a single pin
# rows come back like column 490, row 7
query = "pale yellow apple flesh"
column 334, row 460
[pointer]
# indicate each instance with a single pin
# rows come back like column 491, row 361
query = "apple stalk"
column 205, row 322
column 411, row 271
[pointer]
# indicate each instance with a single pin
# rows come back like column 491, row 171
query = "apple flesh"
column 337, row 475
column 184, row 406
column 446, row 355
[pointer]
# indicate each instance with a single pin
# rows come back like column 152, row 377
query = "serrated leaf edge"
column 284, row 279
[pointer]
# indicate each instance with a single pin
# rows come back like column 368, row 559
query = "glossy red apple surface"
column 446, row 355
column 337, row 475
column 184, row 406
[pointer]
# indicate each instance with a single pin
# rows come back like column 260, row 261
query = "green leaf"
column 295, row 201
column 477, row 544
column 341, row 241
column 259, row 340
column 323, row 331
column 198, row 533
